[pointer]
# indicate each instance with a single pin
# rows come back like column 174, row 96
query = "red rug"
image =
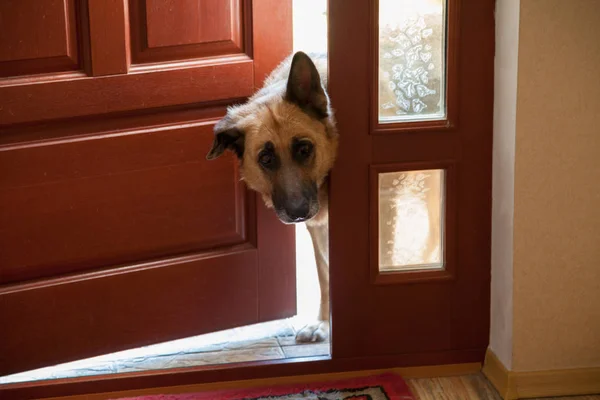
column 381, row 387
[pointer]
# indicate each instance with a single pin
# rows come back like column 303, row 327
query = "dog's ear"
column 227, row 137
column 304, row 86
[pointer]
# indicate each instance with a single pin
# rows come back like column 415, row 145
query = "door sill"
column 409, row 365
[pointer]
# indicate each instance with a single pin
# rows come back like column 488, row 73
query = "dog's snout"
column 298, row 208
column 296, row 204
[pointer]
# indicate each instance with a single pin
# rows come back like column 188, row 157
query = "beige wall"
column 556, row 270
column 505, row 111
column 553, row 278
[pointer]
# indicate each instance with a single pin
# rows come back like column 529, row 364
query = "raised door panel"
column 74, row 205
column 84, row 96
column 181, row 22
column 173, row 30
column 38, row 36
column 69, row 318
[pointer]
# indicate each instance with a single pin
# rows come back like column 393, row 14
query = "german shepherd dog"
column 286, row 140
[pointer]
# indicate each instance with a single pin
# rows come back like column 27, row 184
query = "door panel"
column 89, row 204
column 38, row 36
column 82, row 96
column 424, row 308
column 174, row 23
column 142, row 304
column 176, row 30
column 115, row 231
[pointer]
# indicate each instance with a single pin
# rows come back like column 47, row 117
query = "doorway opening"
column 273, row 340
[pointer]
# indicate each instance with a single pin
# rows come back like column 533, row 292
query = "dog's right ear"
column 227, row 137
column 304, row 86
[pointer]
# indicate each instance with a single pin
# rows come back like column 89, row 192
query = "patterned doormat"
column 380, row 387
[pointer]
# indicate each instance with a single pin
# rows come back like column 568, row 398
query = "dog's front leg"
column 319, row 331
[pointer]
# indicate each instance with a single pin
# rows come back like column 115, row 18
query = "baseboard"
column 523, row 385
column 499, row 376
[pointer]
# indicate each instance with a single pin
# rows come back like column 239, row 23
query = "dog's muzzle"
column 296, row 206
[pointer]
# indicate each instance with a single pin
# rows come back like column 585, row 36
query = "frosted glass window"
column 412, row 60
column 411, row 208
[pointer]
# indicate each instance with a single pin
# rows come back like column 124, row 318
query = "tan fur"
column 268, row 116
column 291, row 122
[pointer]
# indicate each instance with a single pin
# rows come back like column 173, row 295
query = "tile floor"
column 267, row 341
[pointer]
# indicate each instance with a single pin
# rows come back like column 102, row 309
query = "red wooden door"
column 410, row 206
column 115, row 232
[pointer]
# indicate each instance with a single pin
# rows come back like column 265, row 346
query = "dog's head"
column 286, row 142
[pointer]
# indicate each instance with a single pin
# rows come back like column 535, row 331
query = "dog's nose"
column 298, row 209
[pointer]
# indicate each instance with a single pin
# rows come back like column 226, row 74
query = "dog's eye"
column 266, row 159
column 305, row 149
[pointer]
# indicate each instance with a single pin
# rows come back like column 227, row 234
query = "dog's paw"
column 317, row 332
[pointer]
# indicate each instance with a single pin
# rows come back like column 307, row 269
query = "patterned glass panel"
column 412, row 58
column 411, row 207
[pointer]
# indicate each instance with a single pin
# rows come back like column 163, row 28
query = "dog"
column 286, row 140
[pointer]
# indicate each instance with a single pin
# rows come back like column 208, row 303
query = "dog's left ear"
column 304, row 86
column 227, row 137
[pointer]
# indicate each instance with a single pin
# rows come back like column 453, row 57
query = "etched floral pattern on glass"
column 411, row 207
column 412, row 48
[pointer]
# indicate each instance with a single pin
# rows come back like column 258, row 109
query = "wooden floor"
column 466, row 387
column 456, row 387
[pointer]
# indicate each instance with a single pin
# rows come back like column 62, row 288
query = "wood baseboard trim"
column 406, row 373
column 523, row 385
column 499, row 376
